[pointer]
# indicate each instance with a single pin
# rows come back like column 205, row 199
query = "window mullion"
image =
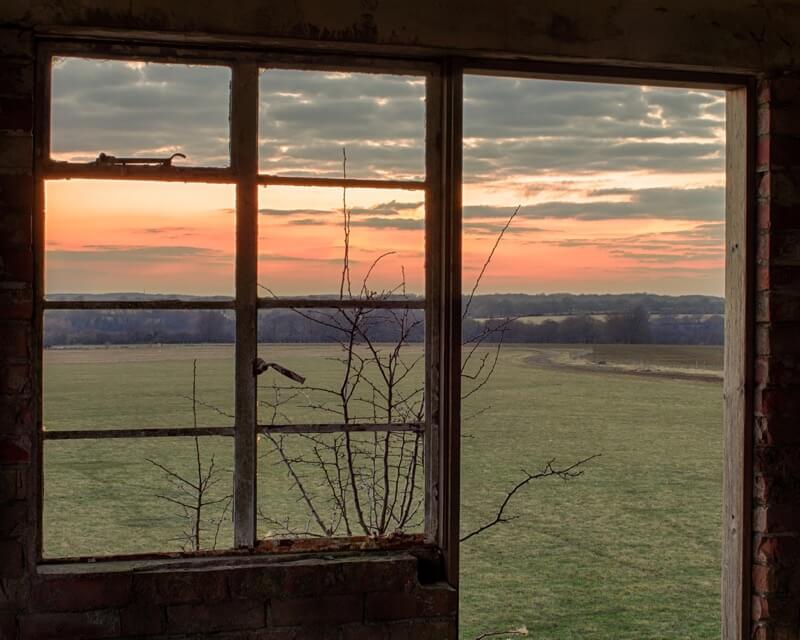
column 244, row 159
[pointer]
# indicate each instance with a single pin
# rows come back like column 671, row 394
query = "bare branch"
column 572, row 471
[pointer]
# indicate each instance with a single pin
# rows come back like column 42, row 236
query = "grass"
column 631, row 549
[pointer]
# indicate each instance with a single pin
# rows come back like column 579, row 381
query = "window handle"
column 259, row 367
column 107, row 160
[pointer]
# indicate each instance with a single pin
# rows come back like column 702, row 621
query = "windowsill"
column 315, row 550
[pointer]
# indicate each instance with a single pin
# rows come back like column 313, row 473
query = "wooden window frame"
column 442, row 186
column 243, row 173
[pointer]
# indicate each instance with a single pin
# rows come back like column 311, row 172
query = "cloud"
column 135, row 253
column 513, row 127
column 376, row 222
column 706, row 203
column 387, row 208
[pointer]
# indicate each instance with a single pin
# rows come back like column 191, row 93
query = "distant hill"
column 570, row 318
column 501, row 305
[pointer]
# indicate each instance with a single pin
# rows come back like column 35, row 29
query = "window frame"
column 243, row 173
column 442, row 188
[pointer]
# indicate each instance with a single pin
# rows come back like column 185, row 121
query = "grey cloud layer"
column 513, row 127
column 677, row 204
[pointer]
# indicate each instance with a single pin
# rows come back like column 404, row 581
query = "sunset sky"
column 620, row 188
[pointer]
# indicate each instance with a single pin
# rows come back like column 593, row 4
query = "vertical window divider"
column 244, row 160
column 449, row 498
column 434, row 192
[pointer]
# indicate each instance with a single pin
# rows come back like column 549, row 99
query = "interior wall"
column 350, row 599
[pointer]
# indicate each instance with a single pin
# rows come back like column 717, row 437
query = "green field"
column 631, row 549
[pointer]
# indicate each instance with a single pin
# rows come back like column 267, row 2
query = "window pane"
column 133, row 108
column 306, row 485
column 308, row 117
column 106, row 497
column 606, row 294
column 382, row 369
column 105, row 236
column 302, row 242
column 135, row 369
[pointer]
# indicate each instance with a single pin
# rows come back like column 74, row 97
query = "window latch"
column 105, row 160
column 259, row 367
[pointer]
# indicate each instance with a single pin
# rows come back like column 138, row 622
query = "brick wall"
column 17, row 506
column 345, row 598
column 776, row 490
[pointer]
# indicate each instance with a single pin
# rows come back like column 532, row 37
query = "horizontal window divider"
column 156, row 432
column 326, row 303
column 350, row 183
column 365, row 427
column 139, row 304
column 56, row 170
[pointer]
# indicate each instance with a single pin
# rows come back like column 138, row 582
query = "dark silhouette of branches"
column 566, row 473
column 192, row 495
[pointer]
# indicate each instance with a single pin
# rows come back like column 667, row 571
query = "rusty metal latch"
column 106, row 160
column 260, row 366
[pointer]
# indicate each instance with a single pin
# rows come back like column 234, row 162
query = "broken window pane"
column 137, row 369
column 302, row 242
column 142, row 238
column 308, row 117
column 104, row 497
column 135, row 108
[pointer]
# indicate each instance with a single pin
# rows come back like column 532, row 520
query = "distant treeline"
column 636, row 318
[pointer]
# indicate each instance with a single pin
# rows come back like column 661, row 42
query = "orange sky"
column 105, row 236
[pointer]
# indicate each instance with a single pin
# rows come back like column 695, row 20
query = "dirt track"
column 546, row 358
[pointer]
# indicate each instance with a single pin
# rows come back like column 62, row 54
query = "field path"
column 577, row 359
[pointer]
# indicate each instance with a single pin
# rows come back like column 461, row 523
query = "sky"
column 620, row 188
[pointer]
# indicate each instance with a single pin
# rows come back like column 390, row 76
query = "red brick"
column 784, row 249
column 15, row 379
column 16, row 191
column 12, row 485
column 784, row 91
column 13, row 518
column 16, row 415
column 8, row 625
column 180, row 587
column 325, row 609
column 779, row 549
column 762, row 151
column 783, row 187
column 424, row 630
column 777, row 401
column 223, row 616
column 81, row 592
column 141, row 620
column 12, row 563
column 85, row 626
column 16, row 114
column 16, row 78
column 14, row 450
column 762, row 120
column 777, row 431
column 16, row 339
column 16, row 43
column 772, row 607
column 778, row 305
column 424, row 602
column 16, row 305
column 16, row 153
column 778, row 339
column 776, row 518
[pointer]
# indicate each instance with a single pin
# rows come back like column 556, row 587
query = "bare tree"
column 192, row 495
